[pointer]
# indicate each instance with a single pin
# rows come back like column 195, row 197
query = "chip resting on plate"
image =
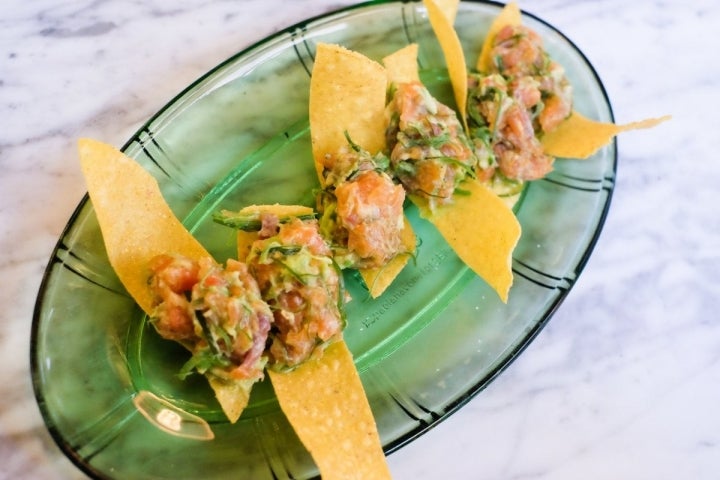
column 323, row 398
column 325, row 403
column 137, row 226
column 136, row 222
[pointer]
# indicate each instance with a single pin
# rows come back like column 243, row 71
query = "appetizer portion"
column 522, row 94
column 310, row 366
column 501, row 126
column 516, row 85
column 301, row 283
column 216, row 313
column 479, row 226
column 429, row 152
column 359, row 203
column 361, row 208
column 141, row 247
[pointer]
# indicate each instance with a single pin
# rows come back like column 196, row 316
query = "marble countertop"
column 624, row 382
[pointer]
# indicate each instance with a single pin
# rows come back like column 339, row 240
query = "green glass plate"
column 105, row 382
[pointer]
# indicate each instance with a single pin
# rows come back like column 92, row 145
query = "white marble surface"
column 625, row 380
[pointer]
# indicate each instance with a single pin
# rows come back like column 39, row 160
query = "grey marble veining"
column 622, row 383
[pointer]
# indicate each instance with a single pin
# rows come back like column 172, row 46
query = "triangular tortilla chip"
column 137, row 224
column 482, row 230
column 452, row 49
column 347, row 94
column 509, row 15
column 401, row 66
column 325, row 402
column 579, row 137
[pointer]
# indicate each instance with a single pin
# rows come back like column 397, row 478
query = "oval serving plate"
column 105, row 382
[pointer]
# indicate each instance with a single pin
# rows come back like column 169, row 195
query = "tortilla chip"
column 510, row 15
column 347, row 94
column 135, row 221
column 452, row 49
column 401, row 66
column 484, row 244
column 580, row 137
column 311, row 394
column 449, row 8
column 325, row 402
column 278, row 210
column 233, row 397
column 137, row 224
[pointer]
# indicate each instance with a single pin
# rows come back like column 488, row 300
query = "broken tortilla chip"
column 347, row 95
column 325, row 402
column 137, row 225
column 579, row 137
column 484, row 244
column 452, row 50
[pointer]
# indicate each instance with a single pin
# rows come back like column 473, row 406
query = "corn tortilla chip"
column 278, row 210
column 311, row 394
column 484, row 244
column 452, row 49
column 137, row 224
column 401, row 66
column 449, row 8
column 347, row 94
column 326, row 405
column 379, row 279
column 509, row 15
column 579, row 137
